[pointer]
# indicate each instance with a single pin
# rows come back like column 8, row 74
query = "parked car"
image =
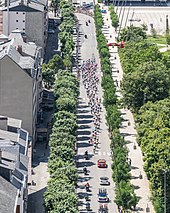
column 104, row 181
column 101, row 163
column 103, row 11
column 102, row 196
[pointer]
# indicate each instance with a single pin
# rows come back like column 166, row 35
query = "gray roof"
column 12, row 136
column 8, row 195
column 32, row 6
column 26, row 62
column 14, row 122
column 29, row 50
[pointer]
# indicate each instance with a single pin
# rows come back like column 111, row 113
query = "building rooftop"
column 26, row 6
column 19, row 50
column 8, row 194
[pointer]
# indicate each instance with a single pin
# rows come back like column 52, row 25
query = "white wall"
column 16, row 20
column 15, row 93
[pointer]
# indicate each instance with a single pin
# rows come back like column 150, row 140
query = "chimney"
column 19, row 49
column 3, row 123
column 24, row 38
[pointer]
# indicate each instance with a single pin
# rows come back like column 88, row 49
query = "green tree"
column 133, row 33
column 149, row 83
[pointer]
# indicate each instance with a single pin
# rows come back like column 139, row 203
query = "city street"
column 128, row 130
column 87, row 50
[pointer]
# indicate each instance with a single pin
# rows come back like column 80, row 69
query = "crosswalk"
column 97, row 153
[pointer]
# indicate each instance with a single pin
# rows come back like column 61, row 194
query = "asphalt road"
column 89, row 48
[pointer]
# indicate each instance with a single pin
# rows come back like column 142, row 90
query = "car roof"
column 101, row 160
column 104, row 178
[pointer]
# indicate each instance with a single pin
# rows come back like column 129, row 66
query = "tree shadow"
column 84, row 121
column 84, row 127
column 136, row 187
column 85, row 164
column 128, row 142
column 83, row 179
column 134, row 177
column 83, row 132
column 81, row 145
column 134, row 167
column 124, row 134
column 84, row 116
column 83, row 138
column 83, row 111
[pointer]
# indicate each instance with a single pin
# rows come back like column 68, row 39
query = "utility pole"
column 121, row 22
column 127, row 16
column 167, row 25
column 8, row 21
column 165, row 190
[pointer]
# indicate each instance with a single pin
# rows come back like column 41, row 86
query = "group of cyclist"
column 91, row 82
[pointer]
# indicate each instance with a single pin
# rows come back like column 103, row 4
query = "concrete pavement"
column 128, row 130
column 150, row 16
column 89, row 48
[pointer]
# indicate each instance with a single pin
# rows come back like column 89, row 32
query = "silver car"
column 104, row 181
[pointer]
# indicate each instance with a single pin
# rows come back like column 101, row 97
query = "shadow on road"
column 84, row 116
column 84, row 121
column 35, row 204
column 85, row 164
column 83, row 138
column 83, row 111
column 83, row 132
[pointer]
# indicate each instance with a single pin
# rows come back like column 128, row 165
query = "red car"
column 101, row 163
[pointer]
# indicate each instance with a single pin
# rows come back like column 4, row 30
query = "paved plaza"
column 150, row 16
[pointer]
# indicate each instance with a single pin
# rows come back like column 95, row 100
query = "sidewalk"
column 128, row 130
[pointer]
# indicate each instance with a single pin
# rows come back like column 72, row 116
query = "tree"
column 132, row 33
column 48, row 76
column 125, row 196
column 56, row 63
column 114, row 17
column 149, row 83
column 153, row 136
column 168, row 39
column 60, row 196
column 136, row 53
column 54, row 5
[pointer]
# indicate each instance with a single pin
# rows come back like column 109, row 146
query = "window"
column 17, row 28
column 23, row 20
column 16, row 12
column 23, row 29
column 23, row 13
column 16, row 20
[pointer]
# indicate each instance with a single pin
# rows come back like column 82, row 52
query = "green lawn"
column 158, row 40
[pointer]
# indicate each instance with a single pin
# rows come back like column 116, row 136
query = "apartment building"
column 28, row 16
column 20, row 80
column 15, row 165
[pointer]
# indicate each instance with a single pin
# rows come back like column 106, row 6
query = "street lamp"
column 165, row 171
